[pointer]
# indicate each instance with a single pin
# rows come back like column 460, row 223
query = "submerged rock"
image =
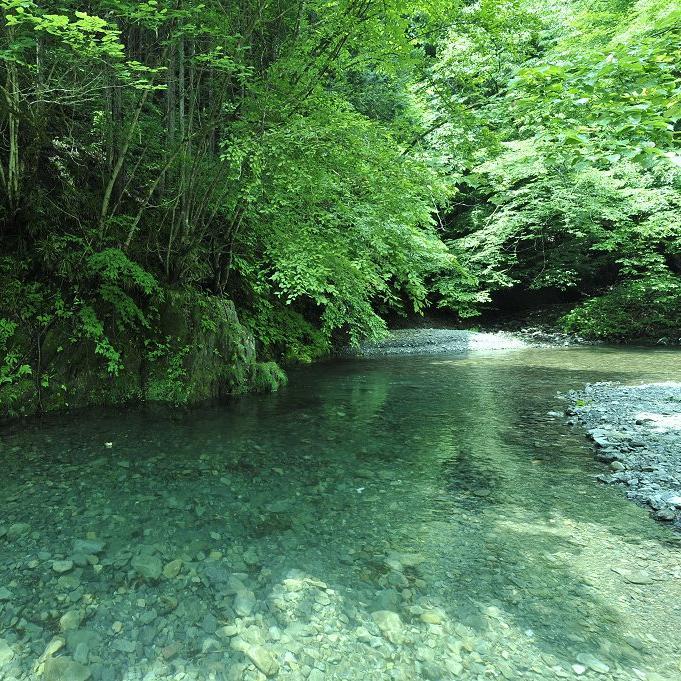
column 261, row 657
column 172, row 569
column 18, row 529
column 390, row 625
column 147, row 566
column 70, row 620
column 88, row 546
column 6, row 653
column 62, row 566
column 64, row 669
column 244, row 603
column 593, row 663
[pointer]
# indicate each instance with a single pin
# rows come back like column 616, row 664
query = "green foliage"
column 267, row 377
column 169, row 382
column 326, row 165
column 12, row 370
column 643, row 308
column 581, row 189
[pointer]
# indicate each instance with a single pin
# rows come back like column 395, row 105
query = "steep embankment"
column 198, row 350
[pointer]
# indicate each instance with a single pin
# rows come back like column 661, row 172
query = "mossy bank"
column 192, row 349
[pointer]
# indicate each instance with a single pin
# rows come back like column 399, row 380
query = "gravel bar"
column 637, row 432
column 445, row 341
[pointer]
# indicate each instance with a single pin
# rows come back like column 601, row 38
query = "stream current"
column 405, row 518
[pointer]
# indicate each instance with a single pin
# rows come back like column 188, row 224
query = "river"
column 406, row 518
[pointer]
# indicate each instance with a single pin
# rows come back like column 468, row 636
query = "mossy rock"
column 205, row 353
column 268, row 377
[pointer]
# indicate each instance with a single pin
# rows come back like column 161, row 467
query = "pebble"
column 432, row 617
column 64, row 669
column 634, row 426
column 70, row 620
column 593, row 663
column 261, row 657
column 6, row 653
column 62, row 566
column 17, row 530
column 390, row 625
column 81, row 653
column 244, row 603
column 124, row 645
column 5, row 594
column 147, row 566
column 172, row 569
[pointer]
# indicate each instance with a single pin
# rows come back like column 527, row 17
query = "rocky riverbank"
column 637, row 432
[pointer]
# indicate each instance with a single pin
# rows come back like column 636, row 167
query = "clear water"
column 436, row 488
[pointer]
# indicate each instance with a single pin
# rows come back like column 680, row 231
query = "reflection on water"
column 406, row 518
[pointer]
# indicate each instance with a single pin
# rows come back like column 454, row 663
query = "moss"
column 267, row 377
column 197, row 350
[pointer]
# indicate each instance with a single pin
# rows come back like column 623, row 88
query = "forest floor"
column 637, row 432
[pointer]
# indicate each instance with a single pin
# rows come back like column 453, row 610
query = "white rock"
column 593, row 663
column 6, row 653
column 262, row 658
column 244, row 603
column 390, row 625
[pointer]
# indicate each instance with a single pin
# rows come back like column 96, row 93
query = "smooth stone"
column 70, row 620
column 388, row 599
column 5, row 594
column 578, row 669
column 81, row 653
column 244, row 603
column 90, row 638
column 64, row 669
column 171, row 650
column 635, row 576
column 88, row 546
column 593, row 663
column 148, row 616
column 68, row 582
column 62, row 566
column 251, row 557
column 397, row 579
column 262, row 658
column 148, row 567
column 405, row 560
column 209, row 624
column 17, row 529
column 389, row 623
column 53, row 647
column 6, row 653
column 432, row 617
column 124, row 645
column 172, row 569
column 666, row 514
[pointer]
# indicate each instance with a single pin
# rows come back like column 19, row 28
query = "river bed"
column 406, row 518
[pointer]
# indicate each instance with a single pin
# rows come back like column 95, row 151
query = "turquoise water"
column 395, row 518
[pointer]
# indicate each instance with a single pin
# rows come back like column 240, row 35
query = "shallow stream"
column 419, row 517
